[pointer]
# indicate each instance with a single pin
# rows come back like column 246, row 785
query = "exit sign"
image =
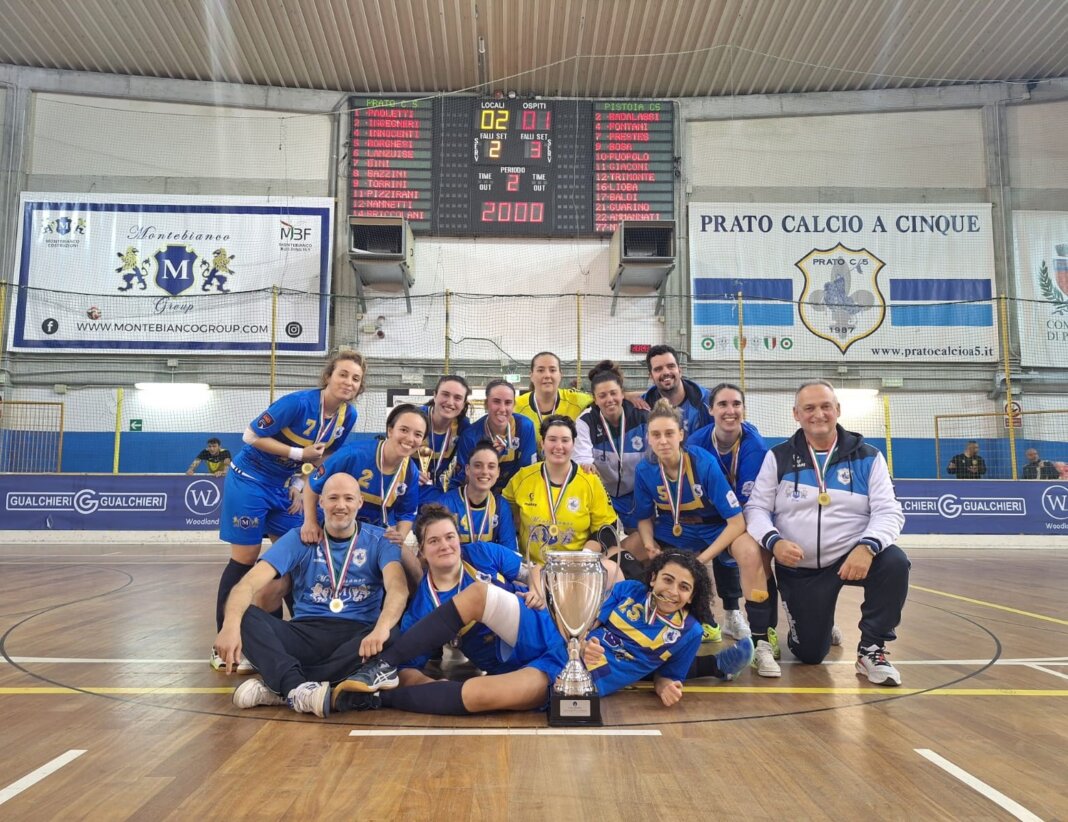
column 639, row 348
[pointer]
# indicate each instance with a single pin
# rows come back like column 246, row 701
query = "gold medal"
column 676, row 530
column 336, row 605
column 824, row 498
column 307, row 468
column 554, row 530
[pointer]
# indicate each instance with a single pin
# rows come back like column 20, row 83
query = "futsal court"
column 112, row 712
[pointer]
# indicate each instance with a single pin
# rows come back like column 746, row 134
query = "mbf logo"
column 841, row 301
column 1055, row 502
column 202, row 497
column 294, row 233
column 174, row 268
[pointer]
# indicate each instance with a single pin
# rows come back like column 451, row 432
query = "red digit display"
column 509, row 212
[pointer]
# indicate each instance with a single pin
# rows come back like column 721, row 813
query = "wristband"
column 296, row 454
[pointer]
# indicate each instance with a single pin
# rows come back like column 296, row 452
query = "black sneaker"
column 375, row 675
column 355, row 701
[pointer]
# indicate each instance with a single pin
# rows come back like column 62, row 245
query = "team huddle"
column 386, row 551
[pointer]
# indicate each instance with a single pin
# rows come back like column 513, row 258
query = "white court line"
column 1048, row 671
column 508, row 732
column 32, row 778
column 995, row 796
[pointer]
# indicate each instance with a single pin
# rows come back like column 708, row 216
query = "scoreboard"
column 472, row 166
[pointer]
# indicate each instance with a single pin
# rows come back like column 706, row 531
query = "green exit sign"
column 136, row 425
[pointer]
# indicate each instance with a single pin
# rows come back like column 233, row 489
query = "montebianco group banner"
column 135, row 273
column 1041, row 241
column 900, row 283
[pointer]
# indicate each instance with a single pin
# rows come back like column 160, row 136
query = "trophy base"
column 574, row 711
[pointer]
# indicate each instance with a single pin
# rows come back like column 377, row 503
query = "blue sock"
column 443, row 698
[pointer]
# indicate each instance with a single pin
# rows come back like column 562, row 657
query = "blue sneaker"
column 374, row 675
column 736, row 658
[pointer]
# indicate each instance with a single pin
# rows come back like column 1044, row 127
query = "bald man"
column 349, row 594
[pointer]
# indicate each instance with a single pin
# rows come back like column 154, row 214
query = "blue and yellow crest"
column 841, row 301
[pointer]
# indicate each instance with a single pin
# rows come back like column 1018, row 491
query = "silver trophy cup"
column 574, row 584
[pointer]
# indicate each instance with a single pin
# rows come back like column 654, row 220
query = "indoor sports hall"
column 205, row 202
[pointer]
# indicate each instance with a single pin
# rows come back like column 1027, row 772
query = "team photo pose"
column 481, row 515
column 645, row 629
column 546, row 397
column 297, row 430
column 447, row 414
column 691, row 399
column 511, row 434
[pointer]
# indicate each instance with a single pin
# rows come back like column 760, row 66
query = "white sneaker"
column 311, row 698
column 764, row 660
column 243, row 665
column 873, row 664
column 734, row 625
column 253, row 692
column 836, row 635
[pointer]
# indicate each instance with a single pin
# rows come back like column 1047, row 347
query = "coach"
column 824, row 505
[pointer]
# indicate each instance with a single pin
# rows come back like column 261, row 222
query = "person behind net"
column 447, row 413
column 214, row 456
column 481, row 515
column 1038, row 468
column 297, row 430
column 682, row 499
column 611, row 440
column 511, row 434
column 644, row 629
column 546, row 397
column 823, row 504
column 968, row 465
column 740, row 449
column 388, row 477
column 349, row 592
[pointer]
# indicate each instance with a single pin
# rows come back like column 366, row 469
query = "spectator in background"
column 1038, row 468
column 217, row 458
column 968, row 465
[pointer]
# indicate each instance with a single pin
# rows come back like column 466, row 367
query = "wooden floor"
column 105, row 652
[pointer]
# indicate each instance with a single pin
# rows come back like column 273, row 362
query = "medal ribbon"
column 335, row 581
column 449, row 433
column 622, row 437
column 652, row 615
column 487, row 516
column 320, row 436
column 735, row 452
column 387, row 495
column 498, row 440
column 554, row 505
column 459, row 587
column 676, row 503
column 537, row 411
column 821, row 470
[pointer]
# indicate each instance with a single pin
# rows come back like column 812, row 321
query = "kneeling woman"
column 645, row 629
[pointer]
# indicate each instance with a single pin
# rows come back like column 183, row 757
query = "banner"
column 890, row 283
column 110, row 502
column 148, row 274
column 984, row 506
column 1041, row 251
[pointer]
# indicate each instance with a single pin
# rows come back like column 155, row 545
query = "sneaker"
column 764, row 660
column 734, row 624
column 836, row 635
column 375, row 675
column 872, row 662
column 735, row 659
column 773, row 641
column 354, row 701
column 710, row 632
column 311, row 698
column 253, row 692
column 243, row 665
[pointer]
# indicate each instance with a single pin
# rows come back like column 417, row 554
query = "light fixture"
column 857, row 402
column 173, row 395
column 172, row 386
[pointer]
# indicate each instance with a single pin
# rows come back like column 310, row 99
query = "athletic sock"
column 773, row 602
column 432, row 631
column 759, row 616
column 231, row 575
column 704, row 665
column 443, row 698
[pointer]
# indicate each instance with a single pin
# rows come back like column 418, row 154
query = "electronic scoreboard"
column 471, row 166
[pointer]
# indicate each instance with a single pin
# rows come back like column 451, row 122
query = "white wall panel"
column 1038, row 145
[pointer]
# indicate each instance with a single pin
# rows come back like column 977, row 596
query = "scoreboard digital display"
column 470, row 166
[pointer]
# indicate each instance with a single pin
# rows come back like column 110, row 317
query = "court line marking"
column 33, row 777
column 976, row 784
column 1047, row 671
column 47, row 690
column 507, row 732
column 994, row 605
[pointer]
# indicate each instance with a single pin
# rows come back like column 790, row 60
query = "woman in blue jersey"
column 645, row 629
column 740, row 449
column 386, row 471
column 447, row 412
column 300, row 428
column 511, row 434
column 481, row 515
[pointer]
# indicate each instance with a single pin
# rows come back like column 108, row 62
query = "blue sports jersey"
column 707, row 500
column 694, row 406
column 444, row 450
column 482, row 562
column 501, row 530
column 294, row 421
column 751, row 451
column 361, row 591
column 638, row 642
column 522, row 450
column 360, row 460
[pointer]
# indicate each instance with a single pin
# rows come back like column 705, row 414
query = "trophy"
column 425, row 453
column 574, row 583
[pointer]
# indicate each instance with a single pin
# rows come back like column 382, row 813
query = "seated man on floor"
column 349, row 594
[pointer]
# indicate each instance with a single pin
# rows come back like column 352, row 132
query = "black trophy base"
column 574, row 711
